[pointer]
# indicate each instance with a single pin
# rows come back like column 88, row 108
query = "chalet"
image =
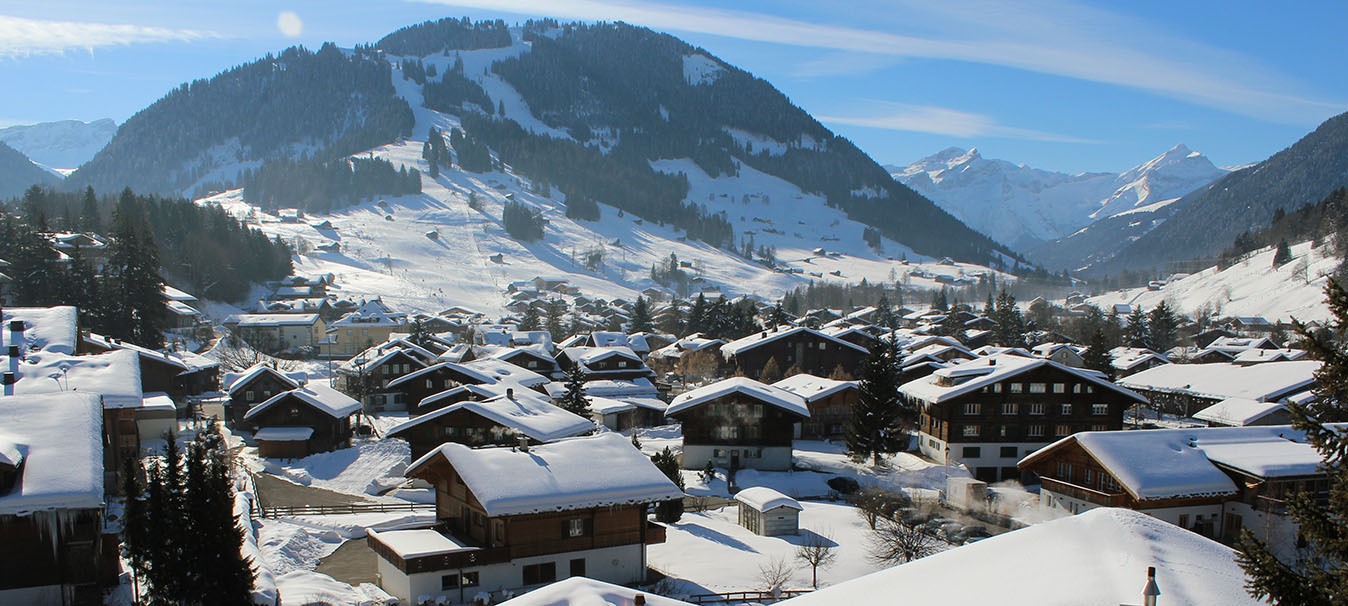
column 766, row 512
column 1241, row 412
column 354, row 332
column 302, row 421
column 1259, row 356
column 619, row 405
column 738, row 422
column 830, row 403
column 498, row 420
column 809, row 350
column 277, row 332
column 1184, row 389
column 1207, row 337
column 987, row 413
column 856, row 335
column 418, row 385
column 690, row 344
column 1252, row 324
column 1062, row 353
column 180, row 374
column 600, row 363
column 56, row 549
column 1211, row 480
column 1132, row 360
column 555, row 518
column 370, row 377
column 254, row 386
column 533, row 358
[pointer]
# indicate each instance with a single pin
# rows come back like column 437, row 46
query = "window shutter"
column 589, row 527
column 566, row 529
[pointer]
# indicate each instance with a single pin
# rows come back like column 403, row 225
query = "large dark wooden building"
column 498, row 420
column 559, row 516
column 830, row 404
column 738, row 423
column 302, row 421
column 810, row 351
column 989, row 412
column 255, row 386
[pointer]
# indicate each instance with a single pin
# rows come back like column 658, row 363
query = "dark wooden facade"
column 736, row 419
column 461, row 426
column 810, row 352
column 80, row 556
column 828, row 416
column 290, row 411
column 256, row 390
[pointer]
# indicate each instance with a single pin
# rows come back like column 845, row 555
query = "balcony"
column 1104, row 499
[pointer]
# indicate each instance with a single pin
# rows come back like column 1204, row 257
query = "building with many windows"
column 738, row 423
column 990, row 412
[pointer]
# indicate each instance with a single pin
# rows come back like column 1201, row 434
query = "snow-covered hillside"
column 1023, row 206
column 436, row 249
column 1252, row 287
column 60, row 146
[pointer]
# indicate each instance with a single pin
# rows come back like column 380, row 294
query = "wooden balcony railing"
column 1104, row 499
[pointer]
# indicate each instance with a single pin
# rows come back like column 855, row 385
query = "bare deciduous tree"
column 774, row 573
column 236, row 355
column 816, row 552
column 874, row 504
column 898, row 542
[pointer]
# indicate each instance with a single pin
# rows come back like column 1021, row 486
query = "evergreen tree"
column 884, row 313
column 641, row 315
column 90, row 220
column 669, row 512
column 556, row 310
column 697, row 317
column 530, row 320
column 1162, row 323
column 1137, row 333
column 1283, row 254
column 940, row 299
column 135, row 522
column 1010, row 329
column 878, row 420
column 1096, row 356
column 137, row 308
column 574, row 400
column 420, row 336
column 1321, row 578
column 771, row 372
column 777, row 316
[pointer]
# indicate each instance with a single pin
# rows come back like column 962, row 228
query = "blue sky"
column 1055, row 84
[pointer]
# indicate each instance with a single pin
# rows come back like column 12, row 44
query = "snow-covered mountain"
column 1024, row 207
column 60, row 146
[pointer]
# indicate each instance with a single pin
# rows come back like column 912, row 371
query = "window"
column 753, row 432
column 538, row 574
column 1108, row 484
column 1066, row 410
column 996, row 388
column 1062, row 430
column 1037, row 408
column 823, row 346
column 1036, row 431
column 1064, row 471
column 1038, row 387
column 452, row 581
column 248, row 395
column 1099, row 409
column 1076, row 388
column 1008, row 452
column 575, row 527
column 1099, row 427
column 1015, row 387
column 533, row 364
column 578, row 567
column 971, row 452
column 1184, row 521
column 971, row 431
column 430, row 384
column 622, row 363
column 1059, row 388
column 1089, row 477
column 1010, row 408
column 972, row 409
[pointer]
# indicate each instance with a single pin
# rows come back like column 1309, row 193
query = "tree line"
column 445, row 35
column 320, row 186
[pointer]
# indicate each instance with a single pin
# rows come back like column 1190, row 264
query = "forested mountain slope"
column 18, row 173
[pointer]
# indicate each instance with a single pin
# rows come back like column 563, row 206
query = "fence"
column 745, row 596
column 276, row 511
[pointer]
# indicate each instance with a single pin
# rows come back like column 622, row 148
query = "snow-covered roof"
column 590, row 355
column 115, row 375
column 538, row 419
column 376, row 358
column 418, row 542
column 1099, row 557
column 174, row 294
column 560, row 476
column 259, row 320
column 1237, row 344
column 326, row 399
column 813, row 388
column 767, row 394
column 284, row 434
column 185, row 361
column 1238, row 411
column 59, row 437
column 53, row 329
column 1127, row 358
column 159, row 401
column 584, row 591
column 734, row 348
column 500, row 371
column 1222, row 380
column 763, row 498
column 236, row 381
column 972, row 375
column 1259, row 356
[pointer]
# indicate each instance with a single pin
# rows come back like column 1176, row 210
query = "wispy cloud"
column 943, row 121
column 1058, row 37
column 21, row 37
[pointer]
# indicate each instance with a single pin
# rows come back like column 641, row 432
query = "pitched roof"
column 757, row 339
column 538, row 419
column 1222, row 380
column 813, row 388
column 767, row 394
column 115, row 375
column 54, row 329
column 59, row 438
column 235, row 381
column 972, row 375
column 559, row 476
column 763, row 498
column 323, row 398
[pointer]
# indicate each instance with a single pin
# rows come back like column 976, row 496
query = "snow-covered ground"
column 1252, row 287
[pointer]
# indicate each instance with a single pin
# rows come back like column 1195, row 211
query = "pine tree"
column 641, row 315
column 1321, row 578
column 1162, row 324
column 1010, row 330
column 697, row 317
column 90, row 220
column 574, row 400
column 556, row 309
column 1283, row 254
column 878, row 420
column 1096, row 356
column 530, row 320
column 777, row 316
column 884, row 313
column 135, row 523
column 1137, row 333
column 136, row 306
column 669, row 512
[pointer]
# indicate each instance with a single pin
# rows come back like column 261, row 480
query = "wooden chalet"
column 811, row 351
column 738, row 423
column 1184, row 389
column 417, row 386
column 555, row 518
column 180, row 374
column 830, row 403
column 373, row 375
column 606, row 363
column 300, row 422
column 498, row 420
column 989, row 412
column 255, row 386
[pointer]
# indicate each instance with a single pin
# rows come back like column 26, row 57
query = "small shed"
column 283, row 442
column 767, row 512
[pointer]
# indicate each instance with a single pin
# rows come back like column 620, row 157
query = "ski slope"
column 385, row 249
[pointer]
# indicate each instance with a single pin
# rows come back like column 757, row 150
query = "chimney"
column 523, row 442
column 9, row 379
column 510, row 393
column 992, row 361
column 13, row 351
column 1151, row 591
column 639, row 600
column 16, row 325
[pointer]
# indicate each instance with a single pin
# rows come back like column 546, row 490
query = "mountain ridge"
column 60, row 145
